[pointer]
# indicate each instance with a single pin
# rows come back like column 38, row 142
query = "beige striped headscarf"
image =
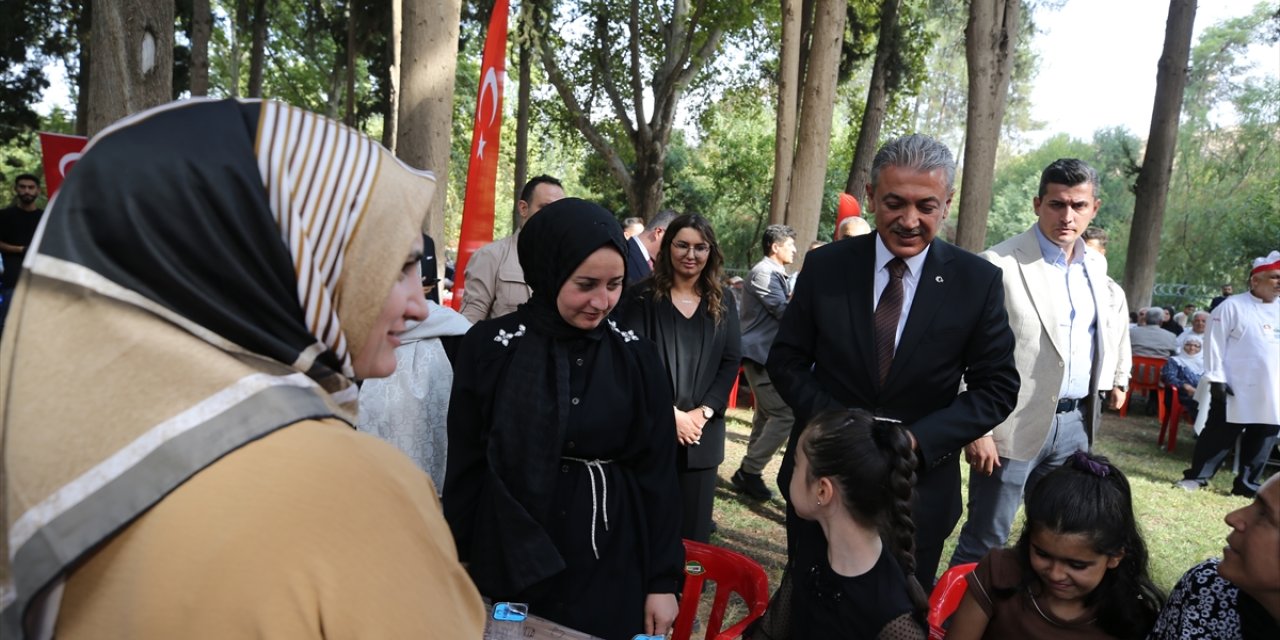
column 202, row 279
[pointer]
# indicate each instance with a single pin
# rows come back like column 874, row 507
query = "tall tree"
column 877, row 101
column 390, row 116
column 1157, row 164
column 132, row 69
column 788, row 100
column 991, row 39
column 257, row 52
column 605, row 72
column 523, row 38
column 813, row 140
column 429, row 49
column 201, row 27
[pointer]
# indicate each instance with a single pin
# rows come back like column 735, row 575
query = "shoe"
column 1238, row 490
column 751, row 484
column 714, row 527
column 1188, row 485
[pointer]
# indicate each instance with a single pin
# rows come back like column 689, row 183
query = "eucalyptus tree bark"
column 813, row 141
column 428, row 53
column 688, row 41
column 257, row 52
column 991, row 38
column 877, row 102
column 132, row 59
column 84, row 31
column 201, row 27
column 524, row 35
column 788, row 95
column 1152, row 187
column 390, row 119
column 349, row 116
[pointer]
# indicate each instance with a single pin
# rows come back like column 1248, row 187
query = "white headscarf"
column 1193, row 363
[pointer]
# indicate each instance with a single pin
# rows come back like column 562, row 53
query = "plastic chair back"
column 1145, row 376
column 946, row 597
column 732, row 572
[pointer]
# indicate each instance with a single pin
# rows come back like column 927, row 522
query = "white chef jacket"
column 1243, row 350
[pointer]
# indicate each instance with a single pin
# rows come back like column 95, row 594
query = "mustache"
column 903, row 231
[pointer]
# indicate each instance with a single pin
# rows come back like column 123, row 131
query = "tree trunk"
column 201, row 26
column 1152, row 188
column 133, row 59
column 784, row 145
column 991, row 37
column 350, row 117
column 877, row 103
column 804, row 207
column 390, row 119
column 257, row 53
column 84, row 30
column 239, row 30
column 429, row 53
column 522, row 109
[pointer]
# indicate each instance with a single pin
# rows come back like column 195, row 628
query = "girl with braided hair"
column 1079, row 570
column 854, row 476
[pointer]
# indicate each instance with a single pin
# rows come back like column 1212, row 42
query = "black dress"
column 701, row 359
column 605, row 537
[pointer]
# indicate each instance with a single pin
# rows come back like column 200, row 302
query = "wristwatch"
column 707, row 412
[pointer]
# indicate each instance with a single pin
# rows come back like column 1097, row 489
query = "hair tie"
column 1082, row 461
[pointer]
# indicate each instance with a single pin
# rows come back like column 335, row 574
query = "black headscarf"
column 551, row 247
column 528, row 429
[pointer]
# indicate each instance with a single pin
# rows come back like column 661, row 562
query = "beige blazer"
column 494, row 282
column 1039, row 355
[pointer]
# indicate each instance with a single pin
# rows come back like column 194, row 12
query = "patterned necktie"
column 887, row 313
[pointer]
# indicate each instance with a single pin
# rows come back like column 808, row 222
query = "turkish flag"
column 482, row 170
column 60, row 153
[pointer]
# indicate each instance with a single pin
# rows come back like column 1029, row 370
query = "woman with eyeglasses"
column 1182, row 372
column 684, row 309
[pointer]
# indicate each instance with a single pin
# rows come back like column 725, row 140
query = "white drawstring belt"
column 592, row 467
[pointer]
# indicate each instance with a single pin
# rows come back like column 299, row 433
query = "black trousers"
column 1219, row 438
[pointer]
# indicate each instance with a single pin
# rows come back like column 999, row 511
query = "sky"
column 1098, row 62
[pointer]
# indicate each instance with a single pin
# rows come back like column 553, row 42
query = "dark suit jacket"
column 824, row 358
column 715, row 375
column 637, row 267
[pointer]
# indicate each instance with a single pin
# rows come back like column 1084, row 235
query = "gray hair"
column 918, row 152
column 661, row 219
column 1200, row 313
column 1155, row 315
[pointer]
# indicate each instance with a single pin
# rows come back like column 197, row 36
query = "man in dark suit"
column 642, row 248
column 891, row 322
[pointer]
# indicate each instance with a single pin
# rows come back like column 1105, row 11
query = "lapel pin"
column 938, row 279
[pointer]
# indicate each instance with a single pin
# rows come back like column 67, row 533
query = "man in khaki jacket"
column 1062, row 315
column 494, row 280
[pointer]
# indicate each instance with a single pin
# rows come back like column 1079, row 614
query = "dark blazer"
column 637, row 266
column 824, row 358
column 651, row 318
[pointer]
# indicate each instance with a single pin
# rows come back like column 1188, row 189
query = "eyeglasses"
column 684, row 247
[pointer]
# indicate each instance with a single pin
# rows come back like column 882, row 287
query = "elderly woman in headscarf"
column 1182, row 372
column 178, row 381
column 561, row 485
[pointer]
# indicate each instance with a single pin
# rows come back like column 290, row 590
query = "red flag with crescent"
column 482, row 170
column 60, row 152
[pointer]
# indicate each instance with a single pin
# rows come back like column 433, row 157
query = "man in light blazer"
column 1062, row 315
column 951, row 325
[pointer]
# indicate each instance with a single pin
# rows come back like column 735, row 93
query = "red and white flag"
column 60, row 152
column 482, row 170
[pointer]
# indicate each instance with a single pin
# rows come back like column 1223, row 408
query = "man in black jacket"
column 892, row 322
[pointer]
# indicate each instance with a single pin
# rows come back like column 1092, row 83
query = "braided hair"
column 874, row 467
column 1089, row 496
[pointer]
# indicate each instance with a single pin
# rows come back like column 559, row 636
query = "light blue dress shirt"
column 1076, row 329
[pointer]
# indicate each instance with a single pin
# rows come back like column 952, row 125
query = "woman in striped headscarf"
column 177, row 382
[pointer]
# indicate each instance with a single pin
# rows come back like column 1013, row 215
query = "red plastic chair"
column 732, row 573
column 1170, row 423
column 946, row 597
column 1145, row 376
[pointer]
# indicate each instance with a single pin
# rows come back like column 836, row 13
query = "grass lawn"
column 1180, row 528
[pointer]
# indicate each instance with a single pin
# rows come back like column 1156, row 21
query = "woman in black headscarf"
column 561, row 474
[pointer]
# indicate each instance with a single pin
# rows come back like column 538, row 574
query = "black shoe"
column 1239, row 490
column 751, row 484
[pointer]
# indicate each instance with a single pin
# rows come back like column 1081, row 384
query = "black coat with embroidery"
column 605, row 535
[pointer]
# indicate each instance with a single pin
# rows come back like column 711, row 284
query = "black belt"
column 1066, row 405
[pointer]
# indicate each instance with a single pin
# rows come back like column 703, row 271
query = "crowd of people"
column 270, row 430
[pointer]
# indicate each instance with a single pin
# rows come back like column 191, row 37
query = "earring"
column 819, row 502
